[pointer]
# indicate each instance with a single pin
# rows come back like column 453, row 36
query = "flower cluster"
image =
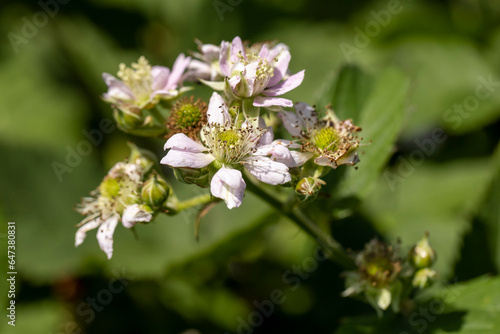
column 383, row 275
column 129, row 193
column 222, row 145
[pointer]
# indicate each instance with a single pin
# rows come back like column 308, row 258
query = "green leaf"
column 350, row 92
column 381, row 119
column 435, row 198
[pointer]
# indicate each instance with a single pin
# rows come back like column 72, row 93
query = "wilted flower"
column 187, row 116
column 142, row 85
column 377, row 276
column 227, row 148
column 117, row 198
column 331, row 141
column 257, row 73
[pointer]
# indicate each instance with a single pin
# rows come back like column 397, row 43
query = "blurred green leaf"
column 350, row 92
column 381, row 119
column 435, row 198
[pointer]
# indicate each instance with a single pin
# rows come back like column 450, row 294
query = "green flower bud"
column 308, row 188
column 423, row 278
column 422, row 255
column 127, row 121
column 155, row 191
column 198, row 176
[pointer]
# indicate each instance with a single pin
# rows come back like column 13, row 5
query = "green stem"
column 331, row 247
column 198, row 200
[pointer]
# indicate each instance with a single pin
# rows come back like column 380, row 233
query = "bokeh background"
column 50, row 87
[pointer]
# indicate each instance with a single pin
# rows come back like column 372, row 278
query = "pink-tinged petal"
column 285, row 86
column 307, row 115
column 300, row 158
column 264, row 52
column 267, row 170
column 237, row 48
column 160, row 76
column 134, row 214
column 292, row 123
column 105, row 235
column 116, row 89
column 217, row 110
column 175, row 158
column 277, row 152
column 81, row 233
column 181, row 142
column 180, row 65
column 210, row 51
column 280, row 67
column 224, row 65
column 262, row 101
column 228, row 184
column 268, row 136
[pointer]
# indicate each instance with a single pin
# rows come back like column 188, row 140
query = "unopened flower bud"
column 308, row 188
column 423, row 278
column 127, row 121
column 198, row 176
column 155, row 191
column 422, row 255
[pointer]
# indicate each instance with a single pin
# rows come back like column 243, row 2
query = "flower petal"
column 228, row 184
column 217, row 110
column 237, row 48
column 292, row 123
column 81, row 233
column 181, row 142
column 178, row 69
column 160, row 76
column 175, row 158
column 134, row 214
column 267, row 170
column 280, row 67
column 224, row 65
column 117, row 90
column 307, row 114
column 261, row 101
column 105, row 235
column 300, row 158
column 285, row 86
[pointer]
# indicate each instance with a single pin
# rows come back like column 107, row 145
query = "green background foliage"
column 425, row 167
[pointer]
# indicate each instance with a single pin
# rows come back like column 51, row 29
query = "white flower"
column 331, row 141
column 257, row 72
column 116, row 199
column 229, row 147
column 142, row 86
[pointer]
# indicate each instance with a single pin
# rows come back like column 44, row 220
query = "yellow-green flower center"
column 229, row 137
column 188, row 115
column 326, row 139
